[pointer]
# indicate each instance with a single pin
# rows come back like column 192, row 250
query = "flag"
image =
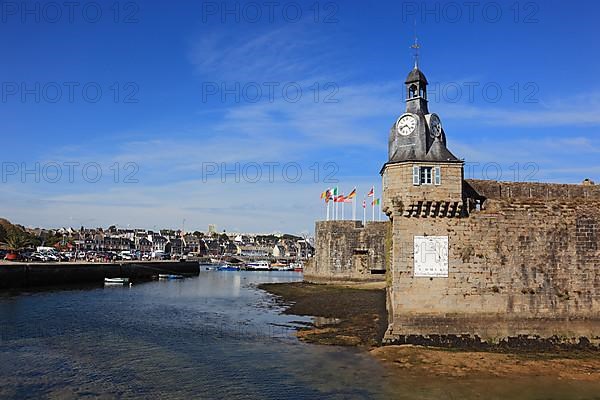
column 339, row 199
column 375, row 202
column 324, row 194
column 352, row 194
column 372, row 192
column 335, row 191
column 364, row 204
column 328, row 197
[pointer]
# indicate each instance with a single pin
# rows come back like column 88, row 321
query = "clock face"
column 406, row 125
column 435, row 125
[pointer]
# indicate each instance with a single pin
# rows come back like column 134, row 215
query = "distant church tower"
column 421, row 177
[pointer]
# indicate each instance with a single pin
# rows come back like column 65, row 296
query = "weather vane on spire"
column 416, row 47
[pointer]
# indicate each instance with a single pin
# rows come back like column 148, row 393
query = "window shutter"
column 416, row 176
column 438, row 176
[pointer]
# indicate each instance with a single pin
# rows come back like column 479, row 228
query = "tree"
column 16, row 241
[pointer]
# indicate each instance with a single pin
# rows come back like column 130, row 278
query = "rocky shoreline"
column 353, row 315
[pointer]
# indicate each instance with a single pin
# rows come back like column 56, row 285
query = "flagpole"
column 354, row 208
column 373, row 204
column 379, row 216
column 342, row 210
column 327, row 206
column 335, row 209
column 364, row 212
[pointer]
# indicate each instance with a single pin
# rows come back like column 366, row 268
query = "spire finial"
column 416, row 47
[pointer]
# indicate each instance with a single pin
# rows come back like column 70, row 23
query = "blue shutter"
column 438, row 176
column 416, row 176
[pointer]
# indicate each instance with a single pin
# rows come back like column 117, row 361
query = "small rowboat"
column 116, row 281
column 170, row 276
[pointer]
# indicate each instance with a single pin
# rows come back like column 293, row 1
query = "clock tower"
column 421, row 175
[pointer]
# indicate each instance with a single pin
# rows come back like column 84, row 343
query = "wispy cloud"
column 352, row 131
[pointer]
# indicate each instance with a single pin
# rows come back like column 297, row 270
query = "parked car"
column 38, row 257
column 51, row 256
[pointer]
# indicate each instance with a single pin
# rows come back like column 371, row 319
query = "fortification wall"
column 525, row 267
column 530, row 190
column 345, row 251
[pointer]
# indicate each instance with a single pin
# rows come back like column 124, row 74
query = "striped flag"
column 371, row 192
column 375, row 202
column 352, row 194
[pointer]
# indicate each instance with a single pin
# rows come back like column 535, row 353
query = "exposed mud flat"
column 422, row 360
column 345, row 316
column 351, row 316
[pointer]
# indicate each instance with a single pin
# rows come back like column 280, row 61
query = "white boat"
column 297, row 267
column 286, row 268
column 116, row 281
column 259, row 266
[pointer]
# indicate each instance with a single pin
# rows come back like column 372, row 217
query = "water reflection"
column 214, row 336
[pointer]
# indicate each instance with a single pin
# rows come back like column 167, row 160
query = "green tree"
column 17, row 240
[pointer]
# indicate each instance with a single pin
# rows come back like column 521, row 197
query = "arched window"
column 412, row 91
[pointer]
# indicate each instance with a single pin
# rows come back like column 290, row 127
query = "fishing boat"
column 170, row 276
column 258, row 266
column 116, row 281
column 297, row 267
column 281, row 267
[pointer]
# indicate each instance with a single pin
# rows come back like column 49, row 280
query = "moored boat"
column 170, row 276
column 226, row 267
column 116, row 281
column 258, row 266
column 297, row 267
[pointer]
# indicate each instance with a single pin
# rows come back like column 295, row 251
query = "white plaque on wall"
column 431, row 256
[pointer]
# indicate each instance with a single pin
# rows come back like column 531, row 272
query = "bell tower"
column 416, row 92
column 421, row 177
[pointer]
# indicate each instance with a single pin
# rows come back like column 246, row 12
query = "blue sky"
column 188, row 89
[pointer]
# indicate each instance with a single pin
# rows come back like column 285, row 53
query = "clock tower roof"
column 418, row 135
column 439, row 152
column 416, row 75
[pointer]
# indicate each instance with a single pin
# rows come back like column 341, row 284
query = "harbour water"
column 215, row 336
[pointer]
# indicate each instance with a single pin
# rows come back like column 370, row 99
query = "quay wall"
column 16, row 275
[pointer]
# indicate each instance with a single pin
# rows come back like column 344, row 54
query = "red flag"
column 372, row 192
column 364, row 204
